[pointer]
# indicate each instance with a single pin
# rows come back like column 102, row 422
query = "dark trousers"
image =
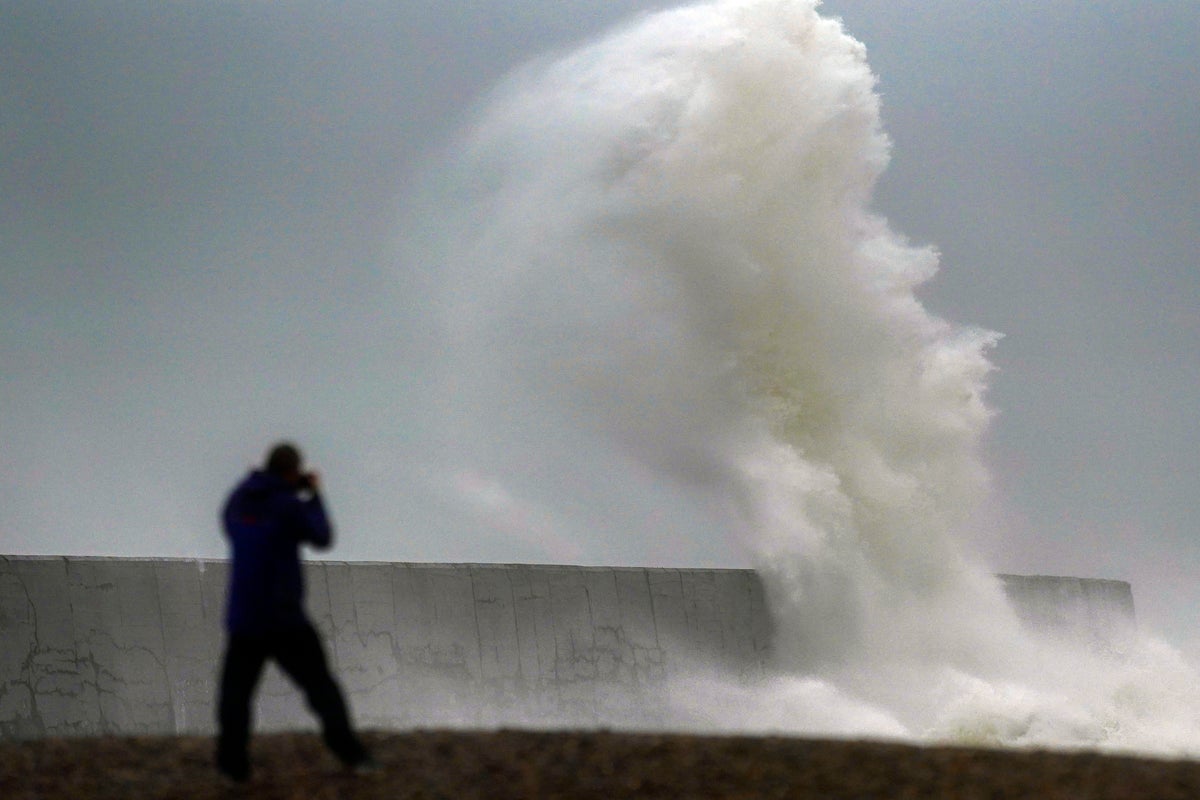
column 299, row 654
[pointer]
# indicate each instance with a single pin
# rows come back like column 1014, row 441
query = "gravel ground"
column 602, row 765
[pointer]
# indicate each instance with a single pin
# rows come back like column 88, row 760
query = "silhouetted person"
column 267, row 517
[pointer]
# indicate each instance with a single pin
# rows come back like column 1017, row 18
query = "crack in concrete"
column 27, row 667
column 162, row 622
column 478, row 633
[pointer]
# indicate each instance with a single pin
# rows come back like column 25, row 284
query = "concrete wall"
column 106, row 645
column 1096, row 613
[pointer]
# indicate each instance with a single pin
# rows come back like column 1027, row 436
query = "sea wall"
column 112, row 645
column 1096, row 613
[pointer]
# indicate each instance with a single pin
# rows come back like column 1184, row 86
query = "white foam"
column 661, row 268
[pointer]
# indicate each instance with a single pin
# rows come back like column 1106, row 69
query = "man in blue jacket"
column 267, row 517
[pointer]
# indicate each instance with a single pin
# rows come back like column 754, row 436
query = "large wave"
column 661, row 268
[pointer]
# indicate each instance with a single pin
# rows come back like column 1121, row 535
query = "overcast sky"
column 199, row 221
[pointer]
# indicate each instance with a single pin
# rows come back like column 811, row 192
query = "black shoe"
column 367, row 765
column 233, row 770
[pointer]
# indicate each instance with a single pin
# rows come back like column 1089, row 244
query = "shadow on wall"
column 124, row 646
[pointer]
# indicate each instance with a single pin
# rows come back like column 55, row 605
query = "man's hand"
column 309, row 482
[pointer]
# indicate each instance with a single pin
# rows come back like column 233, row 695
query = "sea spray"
column 663, row 279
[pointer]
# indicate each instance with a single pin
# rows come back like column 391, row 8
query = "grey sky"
column 198, row 227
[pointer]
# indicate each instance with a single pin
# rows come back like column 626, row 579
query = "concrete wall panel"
column 534, row 626
column 193, row 628
column 44, row 687
column 496, row 624
column 1096, row 613
column 642, row 656
column 18, row 635
column 107, row 645
column 120, row 644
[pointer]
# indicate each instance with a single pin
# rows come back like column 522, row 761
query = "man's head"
column 285, row 461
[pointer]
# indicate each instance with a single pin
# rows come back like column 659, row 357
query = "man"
column 266, row 519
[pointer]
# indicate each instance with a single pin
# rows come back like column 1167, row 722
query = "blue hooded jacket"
column 266, row 519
